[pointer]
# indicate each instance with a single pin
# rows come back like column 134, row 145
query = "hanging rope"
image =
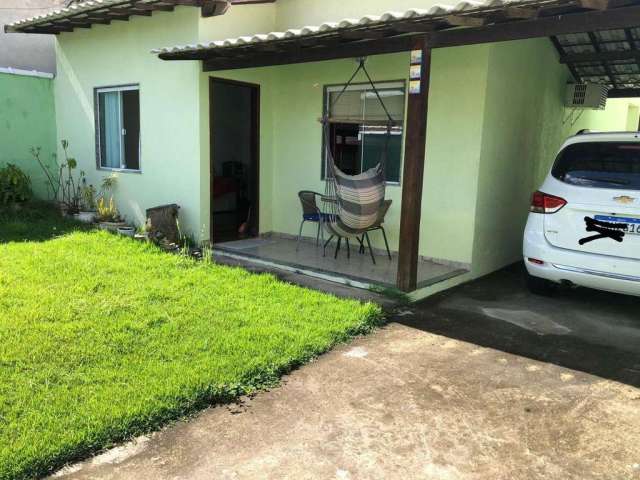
column 354, row 199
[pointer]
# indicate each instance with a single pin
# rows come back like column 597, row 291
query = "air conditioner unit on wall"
column 587, row 95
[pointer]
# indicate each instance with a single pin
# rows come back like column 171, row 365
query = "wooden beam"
column 624, row 93
column 582, row 21
column 519, row 12
column 594, row 4
column 413, row 175
column 599, row 56
column 363, row 34
column 348, row 50
column 78, row 24
column 605, row 4
column 465, row 21
column 592, row 20
column 99, row 21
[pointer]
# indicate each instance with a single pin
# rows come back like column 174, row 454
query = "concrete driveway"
column 483, row 382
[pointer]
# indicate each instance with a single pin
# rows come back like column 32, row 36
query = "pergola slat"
column 104, row 14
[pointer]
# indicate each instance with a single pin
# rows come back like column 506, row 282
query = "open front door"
column 234, row 124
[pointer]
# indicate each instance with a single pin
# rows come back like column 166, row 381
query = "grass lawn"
column 103, row 338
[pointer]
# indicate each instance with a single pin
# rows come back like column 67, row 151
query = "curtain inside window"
column 110, row 130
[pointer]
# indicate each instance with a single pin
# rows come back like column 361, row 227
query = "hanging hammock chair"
column 354, row 201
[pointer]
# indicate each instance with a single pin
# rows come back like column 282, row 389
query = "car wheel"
column 540, row 286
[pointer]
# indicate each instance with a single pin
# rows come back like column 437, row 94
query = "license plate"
column 633, row 224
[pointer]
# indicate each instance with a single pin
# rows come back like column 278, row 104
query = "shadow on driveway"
column 587, row 330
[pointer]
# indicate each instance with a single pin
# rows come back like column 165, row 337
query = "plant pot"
column 127, row 231
column 85, row 217
column 111, row 226
column 143, row 237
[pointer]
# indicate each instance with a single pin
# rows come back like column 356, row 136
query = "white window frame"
column 361, row 87
column 119, row 89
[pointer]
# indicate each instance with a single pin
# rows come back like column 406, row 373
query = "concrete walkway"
column 407, row 403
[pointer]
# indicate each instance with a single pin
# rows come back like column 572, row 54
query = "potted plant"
column 127, row 231
column 108, row 217
column 87, row 213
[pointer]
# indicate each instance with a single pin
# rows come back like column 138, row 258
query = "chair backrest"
column 360, row 197
column 308, row 202
column 383, row 211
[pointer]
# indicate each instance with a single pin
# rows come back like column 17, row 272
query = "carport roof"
column 468, row 22
column 609, row 57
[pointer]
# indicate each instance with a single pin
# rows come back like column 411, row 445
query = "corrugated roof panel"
column 464, row 7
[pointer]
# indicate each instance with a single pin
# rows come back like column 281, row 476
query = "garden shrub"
column 15, row 185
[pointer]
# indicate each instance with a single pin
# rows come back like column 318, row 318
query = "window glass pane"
column 349, row 108
column 131, row 124
column 376, row 144
column 600, row 165
column 358, row 131
column 110, row 129
column 393, row 101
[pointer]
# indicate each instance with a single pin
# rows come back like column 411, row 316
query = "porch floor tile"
column 358, row 267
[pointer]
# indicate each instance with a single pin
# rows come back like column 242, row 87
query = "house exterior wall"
column 298, row 13
column 239, row 20
column 119, row 54
column 27, row 119
column 291, row 160
column 525, row 123
column 496, row 120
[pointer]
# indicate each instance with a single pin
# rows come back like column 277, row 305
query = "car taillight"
column 536, row 261
column 544, row 203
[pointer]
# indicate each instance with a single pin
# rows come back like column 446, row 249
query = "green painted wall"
column 525, row 123
column 119, row 54
column 238, row 21
column 292, row 102
column 27, row 119
column 297, row 13
column 495, row 123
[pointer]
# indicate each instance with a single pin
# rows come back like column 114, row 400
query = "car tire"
column 540, row 286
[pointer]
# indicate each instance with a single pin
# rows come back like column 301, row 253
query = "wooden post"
column 413, row 171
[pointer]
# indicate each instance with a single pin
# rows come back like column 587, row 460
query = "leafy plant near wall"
column 87, row 197
column 15, row 185
column 107, row 212
column 65, row 186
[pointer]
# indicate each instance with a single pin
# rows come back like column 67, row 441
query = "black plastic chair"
column 379, row 225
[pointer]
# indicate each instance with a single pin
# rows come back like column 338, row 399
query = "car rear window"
column 600, row 165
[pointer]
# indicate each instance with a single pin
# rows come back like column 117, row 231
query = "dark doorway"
column 234, row 123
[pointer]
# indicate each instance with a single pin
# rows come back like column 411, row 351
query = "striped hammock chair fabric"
column 358, row 200
column 354, row 200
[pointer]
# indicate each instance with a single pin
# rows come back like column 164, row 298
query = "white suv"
column 584, row 225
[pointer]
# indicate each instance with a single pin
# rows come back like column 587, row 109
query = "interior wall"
column 235, row 101
column 27, row 120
